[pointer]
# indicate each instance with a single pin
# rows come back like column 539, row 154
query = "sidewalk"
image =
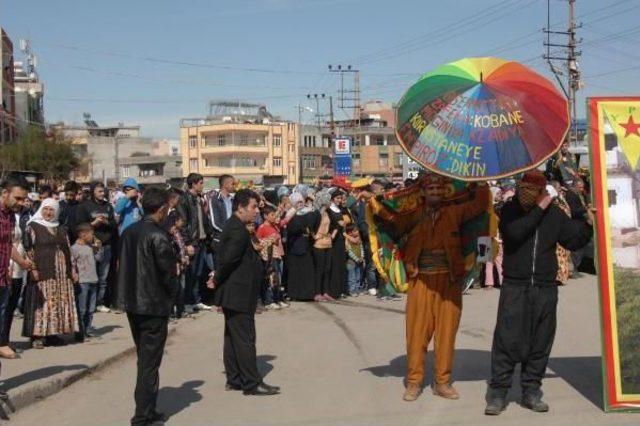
column 41, row 373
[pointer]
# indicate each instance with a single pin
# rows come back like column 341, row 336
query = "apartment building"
column 243, row 140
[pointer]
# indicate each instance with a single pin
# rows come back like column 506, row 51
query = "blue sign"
column 342, row 165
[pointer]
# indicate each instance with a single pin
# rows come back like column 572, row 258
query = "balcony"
column 234, row 143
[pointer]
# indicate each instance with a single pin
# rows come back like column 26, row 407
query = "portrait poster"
column 614, row 135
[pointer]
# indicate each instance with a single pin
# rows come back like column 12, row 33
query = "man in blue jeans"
column 100, row 214
column 196, row 234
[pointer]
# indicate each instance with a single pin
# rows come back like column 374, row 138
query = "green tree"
column 49, row 154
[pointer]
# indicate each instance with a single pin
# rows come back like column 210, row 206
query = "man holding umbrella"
column 435, row 265
column 531, row 227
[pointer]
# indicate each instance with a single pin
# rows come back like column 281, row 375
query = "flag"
column 625, row 123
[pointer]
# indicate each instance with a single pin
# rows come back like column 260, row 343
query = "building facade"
column 8, row 129
column 101, row 149
column 242, row 140
column 29, row 97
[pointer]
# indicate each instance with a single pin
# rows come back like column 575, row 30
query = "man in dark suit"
column 237, row 285
column 146, row 292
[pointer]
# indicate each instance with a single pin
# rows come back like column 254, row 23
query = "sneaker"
column 534, row 403
column 412, row 392
column 284, row 304
column 202, row 307
column 383, row 298
column 103, row 309
column 373, row 292
column 495, row 406
column 272, row 307
column 395, row 298
column 445, row 390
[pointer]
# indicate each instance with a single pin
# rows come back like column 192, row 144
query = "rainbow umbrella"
column 482, row 118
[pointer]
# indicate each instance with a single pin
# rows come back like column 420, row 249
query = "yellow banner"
column 624, row 119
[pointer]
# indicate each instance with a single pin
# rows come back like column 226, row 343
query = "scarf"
column 38, row 218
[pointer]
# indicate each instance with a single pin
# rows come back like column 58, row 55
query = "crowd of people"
column 65, row 254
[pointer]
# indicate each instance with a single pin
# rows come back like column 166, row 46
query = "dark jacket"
column 188, row 209
column 68, row 218
column 218, row 217
column 240, row 271
column 87, row 212
column 576, row 204
column 530, row 238
column 146, row 270
column 299, row 231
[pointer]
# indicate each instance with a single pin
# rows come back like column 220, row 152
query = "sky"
column 153, row 62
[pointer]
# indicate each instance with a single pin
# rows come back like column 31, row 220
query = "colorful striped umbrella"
column 482, row 118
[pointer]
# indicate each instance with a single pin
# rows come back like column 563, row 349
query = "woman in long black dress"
column 299, row 259
column 338, row 282
column 323, row 234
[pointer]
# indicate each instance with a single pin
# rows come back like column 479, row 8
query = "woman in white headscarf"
column 50, row 309
column 300, row 270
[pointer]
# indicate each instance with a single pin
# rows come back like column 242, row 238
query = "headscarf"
column 37, row 218
column 323, row 198
column 283, row 190
column 296, row 198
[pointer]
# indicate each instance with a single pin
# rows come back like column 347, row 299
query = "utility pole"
column 350, row 99
column 317, row 97
column 572, row 85
column 332, row 124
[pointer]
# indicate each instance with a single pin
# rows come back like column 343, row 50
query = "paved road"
column 342, row 364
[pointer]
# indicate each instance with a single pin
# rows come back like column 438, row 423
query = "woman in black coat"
column 338, row 281
column 299, row 258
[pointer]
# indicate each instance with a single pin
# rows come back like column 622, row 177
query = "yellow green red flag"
column 625, row 123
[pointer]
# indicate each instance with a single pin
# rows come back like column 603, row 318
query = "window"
column 126, row 172
column 244, row 139
column 306, row 141
column 397, row 159
column 309, row 161
column 222, row 139
column 193, row 164
column 292, row 171
column 277, row 141
column 292, row 148
column 355, row 160
column 613, row 197
column 378, row 140
column 277, row 161
column 193, row 142
column 383, row 160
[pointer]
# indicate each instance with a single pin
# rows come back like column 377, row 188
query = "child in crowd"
column 173, row 225
column 355, row 259
column 272, row 253
column 85, row 252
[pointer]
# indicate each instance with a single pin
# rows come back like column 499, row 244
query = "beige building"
column 242, row 140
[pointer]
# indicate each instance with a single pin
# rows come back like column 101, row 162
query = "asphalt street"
column 343, row 364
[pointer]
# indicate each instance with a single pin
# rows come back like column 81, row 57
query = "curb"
column 28, row 394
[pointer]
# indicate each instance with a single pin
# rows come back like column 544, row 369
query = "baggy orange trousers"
column 434, row 306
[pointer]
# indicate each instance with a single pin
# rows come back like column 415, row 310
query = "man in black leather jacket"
column 146, row 292
column 196, row 233
column 237, row 284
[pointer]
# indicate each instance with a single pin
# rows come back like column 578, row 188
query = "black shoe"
column 158, row 417
column 495, row 406
column 230, row 387
column 534, row 403
column 79, row 337
column 262, row 390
